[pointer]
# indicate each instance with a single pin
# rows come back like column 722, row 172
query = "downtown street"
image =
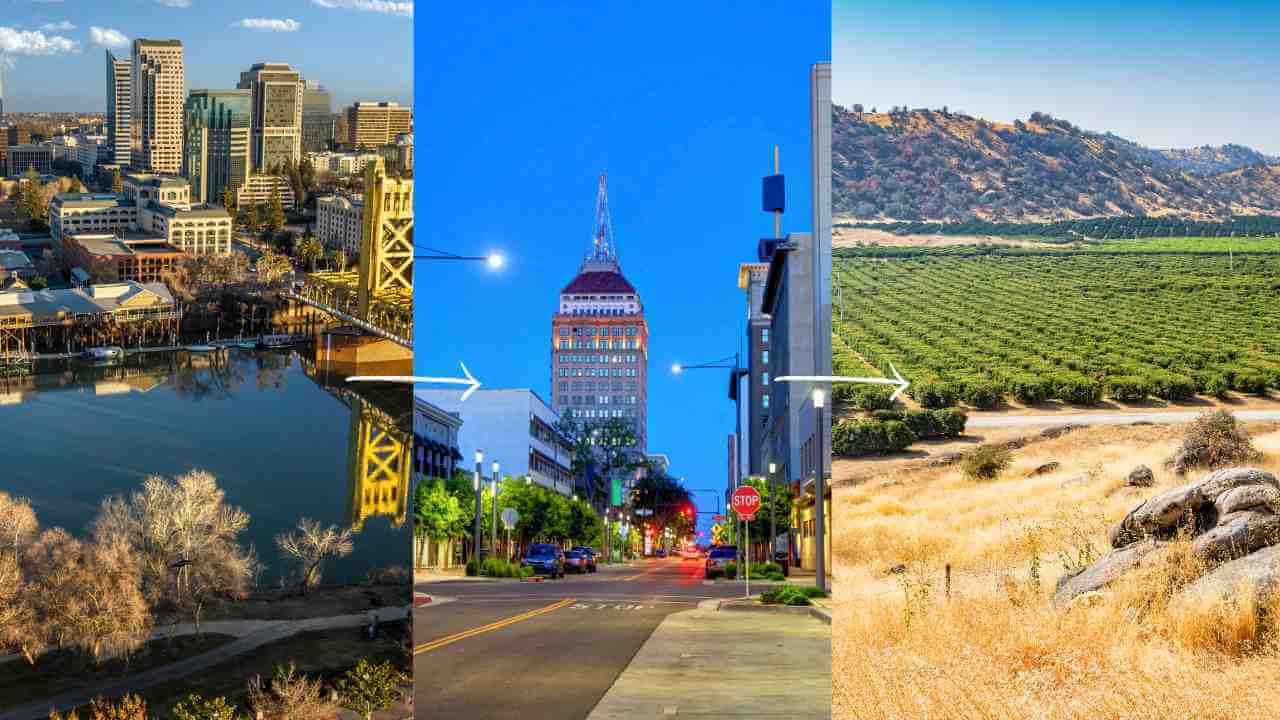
column 558, row 649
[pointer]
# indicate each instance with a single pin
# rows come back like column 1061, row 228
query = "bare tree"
column 311, row 545
column 290, row 695
column 185, row 534
column 88, row 595
column 17, row 523
column 19, row 628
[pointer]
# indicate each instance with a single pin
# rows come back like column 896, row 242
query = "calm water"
column 275, row 438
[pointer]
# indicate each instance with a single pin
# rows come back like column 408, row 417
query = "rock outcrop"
column 1232, row 517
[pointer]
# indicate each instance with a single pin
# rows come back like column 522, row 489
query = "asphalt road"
column 548, row 650
column 1108, row 418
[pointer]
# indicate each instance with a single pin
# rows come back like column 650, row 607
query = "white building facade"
column 340, row 222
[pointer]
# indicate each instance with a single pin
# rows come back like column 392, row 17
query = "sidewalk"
column 710, row 663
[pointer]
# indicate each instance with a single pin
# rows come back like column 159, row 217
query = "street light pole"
column 819, row 513
column 475, row 523
column 773, row 522
column 493, row 522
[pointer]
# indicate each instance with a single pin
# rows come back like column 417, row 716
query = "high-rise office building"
column 600, row 341
column 1, row 93
column 119, row 109
column 156, row 101
column 276, row 130
column 317, row 117
column 216, row 154
column 751, row 279
column 10, row 136
column 370, row 125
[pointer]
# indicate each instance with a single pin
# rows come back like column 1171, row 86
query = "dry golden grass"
column 996, row 648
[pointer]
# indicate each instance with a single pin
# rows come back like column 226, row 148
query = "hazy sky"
column 1166, row 74
column 53, row 49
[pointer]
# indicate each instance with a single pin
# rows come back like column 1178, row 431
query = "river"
column 281, row 439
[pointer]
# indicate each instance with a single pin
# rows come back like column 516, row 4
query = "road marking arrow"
column 897, row 380
column 415, row 379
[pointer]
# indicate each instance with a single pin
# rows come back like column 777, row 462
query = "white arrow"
column 414, row 379
column 897, row 379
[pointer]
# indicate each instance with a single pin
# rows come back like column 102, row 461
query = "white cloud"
column 106, row 37
column 60, row 26
column 386, row 7
column 175, row 3
column 33, row 42
column 270, row 24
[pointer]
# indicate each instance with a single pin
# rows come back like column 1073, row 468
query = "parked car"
column 575, row 561
column 544, row 559
column 660, row 553
column 720, row 556
column 690, row 553
column 588, row 554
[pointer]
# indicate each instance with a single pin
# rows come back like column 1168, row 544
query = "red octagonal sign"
column 745, row 501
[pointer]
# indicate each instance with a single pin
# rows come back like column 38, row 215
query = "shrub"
column 887, row 414
column 1217, row 386
column 197, row 707
column 473, row 568
column 983, row 395
column 1128, row 388
column 1215, row 440
column 922, row 423
column 759, row 569
column 986, row 462
column 785, row 595
column 1172, row 386
column 1029, row 389
column 731, row 570
column 496, row 567
column 897, row 436
column 1250, row 381
column 951, row 421
column 933, row 393
column 1077, row 390
column 864, row 397
column 370, row 686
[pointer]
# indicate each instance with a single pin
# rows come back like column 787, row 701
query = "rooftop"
column 132, row 243
column 14, row 260
column 592, row 281
column 96, row 299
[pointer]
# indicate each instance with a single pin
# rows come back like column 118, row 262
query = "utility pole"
column 819, row 493
column 493, row 521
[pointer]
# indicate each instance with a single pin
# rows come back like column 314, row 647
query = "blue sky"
column 682, row 104
column 359, row 49
column 1166, row 74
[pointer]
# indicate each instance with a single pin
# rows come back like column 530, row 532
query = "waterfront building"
column 600, row 340
column 339, row 222
column 276, row 128
column 514, row 427
column 258, row 189
column 14, row 264
column 216, row 149
column 108, row 258
column 370, row 125
column 317, row 117
column 119, row 109
column 156, row 101
column 127, row 314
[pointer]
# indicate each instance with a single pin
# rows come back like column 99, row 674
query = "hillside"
column 936, row 165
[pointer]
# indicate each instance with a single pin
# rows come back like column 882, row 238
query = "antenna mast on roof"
column 602, row 233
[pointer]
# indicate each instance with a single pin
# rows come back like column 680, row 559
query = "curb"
column 736, row 605
column 821, row 613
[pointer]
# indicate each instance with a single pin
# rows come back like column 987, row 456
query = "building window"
column 764, row 378
column 764, row 335
column 764, row 400
column 764, row 357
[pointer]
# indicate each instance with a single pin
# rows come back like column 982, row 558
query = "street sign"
column 510, row 517
column 745, row 501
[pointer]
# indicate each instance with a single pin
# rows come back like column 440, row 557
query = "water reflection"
column 284, row 438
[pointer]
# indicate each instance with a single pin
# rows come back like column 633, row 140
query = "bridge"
column 378, row 297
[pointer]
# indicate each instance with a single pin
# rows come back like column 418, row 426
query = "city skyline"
column 684, row 137
column 53, row 52
column 1124, row 69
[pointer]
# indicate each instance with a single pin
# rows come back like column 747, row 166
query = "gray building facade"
column 276, row 131
column 119, row 110
column 756, row 398
column 317, row 117
column 216, row 149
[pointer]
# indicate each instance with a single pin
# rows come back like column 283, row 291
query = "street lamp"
column 493, row 523
column 493, row 260
column 475, row 523
column 819, row 513
column 738, row 372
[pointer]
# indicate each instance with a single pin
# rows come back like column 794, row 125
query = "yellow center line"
column 434, row 644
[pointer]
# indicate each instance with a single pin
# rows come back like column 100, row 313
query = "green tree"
column 39, row 282
column 227, row 203
column 197, row 707
column 32, row 201
column 781, row 507
column 275, row 211
column 310, row 251
column 368, row 687
column 252, row 219
column 437, row 513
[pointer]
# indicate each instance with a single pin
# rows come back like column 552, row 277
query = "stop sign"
column 745, row 501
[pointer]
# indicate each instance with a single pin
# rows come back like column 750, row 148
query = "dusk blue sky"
column 1166, row 74
column 682, row 104
column 359, row 49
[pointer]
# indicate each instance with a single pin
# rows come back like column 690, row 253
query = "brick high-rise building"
column 159, row 89
column 600, row 341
